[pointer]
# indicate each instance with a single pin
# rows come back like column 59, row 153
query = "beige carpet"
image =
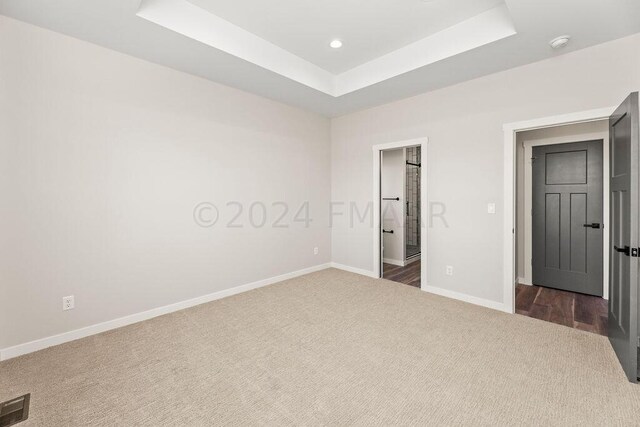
column 330, row 348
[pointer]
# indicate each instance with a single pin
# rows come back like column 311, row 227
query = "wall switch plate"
column 449, row 270
column 491, row 208
column 68, row 303
column 315, row 251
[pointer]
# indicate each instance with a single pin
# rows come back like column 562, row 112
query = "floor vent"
column 14, row 411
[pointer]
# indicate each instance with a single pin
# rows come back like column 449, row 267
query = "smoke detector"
column 559, row 42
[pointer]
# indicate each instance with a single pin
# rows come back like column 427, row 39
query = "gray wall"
column 103, row 158
column 464, row 166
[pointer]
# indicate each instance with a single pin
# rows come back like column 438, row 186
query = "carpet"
column 328, row 348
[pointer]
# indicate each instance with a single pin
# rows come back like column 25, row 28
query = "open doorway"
column 401, row 211
column 562, row 224
column 622, row 250
column 399, row 194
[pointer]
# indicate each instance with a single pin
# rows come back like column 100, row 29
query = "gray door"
column 567, row 217
column 623, row 278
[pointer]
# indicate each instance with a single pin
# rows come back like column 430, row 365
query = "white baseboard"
column 354, row 270
column 394, row 262
column 438, row 291
column 466, row 298
column 62, row 338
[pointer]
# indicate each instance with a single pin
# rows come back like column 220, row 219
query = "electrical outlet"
column 68, row 303
column 491, row 208
column 316, row 250
column 449, row 270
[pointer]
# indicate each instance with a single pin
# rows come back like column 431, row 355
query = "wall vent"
column 14, row 411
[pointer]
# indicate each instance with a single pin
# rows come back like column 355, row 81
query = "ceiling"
column 190, row 20
column 369, row 28
column 279, row 49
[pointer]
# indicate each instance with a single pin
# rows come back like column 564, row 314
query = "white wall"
column 598, row 130
column 392, row 184
column 103, row 158
column 465, row 155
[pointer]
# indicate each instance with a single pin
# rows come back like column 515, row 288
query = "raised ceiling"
column 279, row 49
column 369, row 28
column 190, row 20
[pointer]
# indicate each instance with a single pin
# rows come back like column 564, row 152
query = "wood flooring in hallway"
column 409, row 275
column 578, row 311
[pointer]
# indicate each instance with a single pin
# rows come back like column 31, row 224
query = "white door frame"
column 510, row 130
column 377, row 221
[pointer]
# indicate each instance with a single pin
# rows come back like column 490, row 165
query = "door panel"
column 623, row 283
column 552, row 231
column 569, row 167
column 578, row 232
column 567, row 199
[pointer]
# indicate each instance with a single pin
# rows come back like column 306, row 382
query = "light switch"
column 491, row 208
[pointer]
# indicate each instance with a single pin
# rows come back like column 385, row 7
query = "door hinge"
column 634, row 252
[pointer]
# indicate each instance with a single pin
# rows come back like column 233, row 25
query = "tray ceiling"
column 279, row 49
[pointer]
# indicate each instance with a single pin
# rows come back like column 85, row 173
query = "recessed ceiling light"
column 336, row 44
column 559, row 42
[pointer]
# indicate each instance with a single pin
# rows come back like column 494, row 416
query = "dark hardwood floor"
column 409, row 275
column 574, row 310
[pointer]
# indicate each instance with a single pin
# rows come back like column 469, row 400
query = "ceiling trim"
column 196, row 23
column 487, row 27
column 187, row 19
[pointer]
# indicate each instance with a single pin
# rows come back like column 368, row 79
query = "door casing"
column 377, row 222
column 509, row 223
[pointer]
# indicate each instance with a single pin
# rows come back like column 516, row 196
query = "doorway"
column 561, row 221
column 567, row 216
column 623, row 321
column 401, row 234
column 399, row 194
